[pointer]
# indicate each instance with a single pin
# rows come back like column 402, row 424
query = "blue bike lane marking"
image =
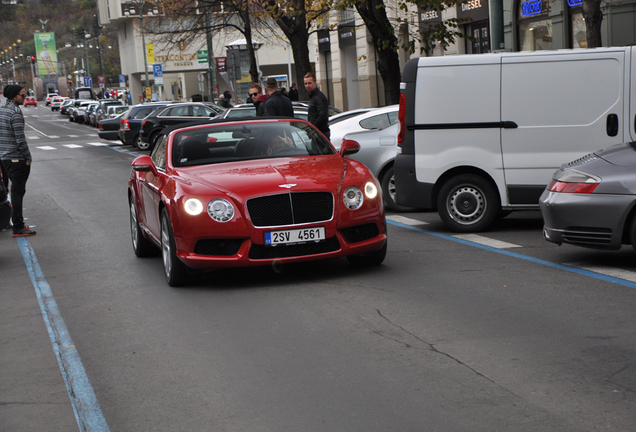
column 519, row 256
column 87, row 411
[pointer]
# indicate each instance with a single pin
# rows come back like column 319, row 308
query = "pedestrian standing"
column 256, row 94
column 318, row 111
column 293, row 93
column 14, row 154
column 276, row 104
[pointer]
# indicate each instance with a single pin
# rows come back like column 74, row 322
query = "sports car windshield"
column 244, row 141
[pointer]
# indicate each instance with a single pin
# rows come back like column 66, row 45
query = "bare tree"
column 373, row 13
column 187, row 20
column 295, row 18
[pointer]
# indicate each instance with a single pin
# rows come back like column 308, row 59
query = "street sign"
column 101, row 80
column 202, row 56
column 148, row 93
column 88, row 82
column 157, row 70
column 122, row 80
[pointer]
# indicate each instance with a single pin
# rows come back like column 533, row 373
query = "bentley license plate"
column 294, row 236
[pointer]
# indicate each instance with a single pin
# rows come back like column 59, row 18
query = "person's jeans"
column 18, row 174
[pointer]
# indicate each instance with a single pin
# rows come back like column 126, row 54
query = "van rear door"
column 565, row 104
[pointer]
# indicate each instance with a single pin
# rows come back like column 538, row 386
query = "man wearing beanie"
column 14, row 154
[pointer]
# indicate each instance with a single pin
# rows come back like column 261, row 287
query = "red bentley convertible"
column 253, row 192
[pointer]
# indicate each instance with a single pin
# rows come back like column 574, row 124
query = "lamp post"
column 131, row 11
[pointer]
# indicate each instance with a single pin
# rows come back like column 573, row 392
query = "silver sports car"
column 591, row 201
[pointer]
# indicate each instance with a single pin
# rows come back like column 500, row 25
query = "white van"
column 481, row 135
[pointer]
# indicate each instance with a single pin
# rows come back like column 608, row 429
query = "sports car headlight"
column 370, row 190
column 352, row 198
column 221, row 210
column 193, row 206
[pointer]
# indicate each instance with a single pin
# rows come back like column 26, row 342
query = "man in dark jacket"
column 318, row 112
column 276, row 104
column 258, row 98
column 293, row 93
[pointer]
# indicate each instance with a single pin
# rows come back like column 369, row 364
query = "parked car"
column 250, row 193
column 30, row 101
column 172, row 115
column 590, row 202
column 65, row 105
column 76, row 113
column 376, row 131
column 332, row 110
column 130, row 123
column 108, row 129
column 56, row 102
column 115, row 110
column 249, row 110
column 48, row 98
column 100, row 112
column 86, row 112
column 71, row 110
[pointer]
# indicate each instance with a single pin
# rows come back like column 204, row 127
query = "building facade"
column 184, row 65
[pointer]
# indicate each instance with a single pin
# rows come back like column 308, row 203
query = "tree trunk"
column 248, row 39
column 373, row 14
column 294, row 26
column 593, row 19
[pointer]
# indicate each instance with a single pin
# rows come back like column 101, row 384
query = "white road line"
column 497, row 244
column 73, row 146
column 405, row 220
column 32, row 137
column 47, row 148
column 627, row 275
column 53, row 136
column 97, row 144
column 73, row 136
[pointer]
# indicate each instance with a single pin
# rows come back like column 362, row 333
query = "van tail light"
column 125, row 124
column 573, row 181
column 402, row 118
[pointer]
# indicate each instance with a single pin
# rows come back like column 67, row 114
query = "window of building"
column 578, row 38
column 535, row 25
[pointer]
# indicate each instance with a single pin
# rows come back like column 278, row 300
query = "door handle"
column 612, row 125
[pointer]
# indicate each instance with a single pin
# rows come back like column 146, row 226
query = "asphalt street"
column 496, row 332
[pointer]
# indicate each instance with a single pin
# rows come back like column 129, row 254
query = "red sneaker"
column 24, row 232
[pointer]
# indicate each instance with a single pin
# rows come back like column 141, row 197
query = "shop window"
column 578, row 38
column 534, row 25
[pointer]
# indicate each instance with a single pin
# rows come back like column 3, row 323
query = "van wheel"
column 468, row 203
column 388, row 191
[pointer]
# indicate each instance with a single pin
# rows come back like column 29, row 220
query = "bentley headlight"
column 221, row 210
column 352, row 198
column 370, row 190
column 193, row 206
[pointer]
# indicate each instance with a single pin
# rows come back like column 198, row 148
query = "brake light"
column 567, row 187
column 101, row 127
column 125, row 124
column 143, row 122
column 402, row 118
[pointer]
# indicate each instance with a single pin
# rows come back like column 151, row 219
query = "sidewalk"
column 33, row 396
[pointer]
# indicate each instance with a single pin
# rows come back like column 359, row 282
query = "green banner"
column 45, row 53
